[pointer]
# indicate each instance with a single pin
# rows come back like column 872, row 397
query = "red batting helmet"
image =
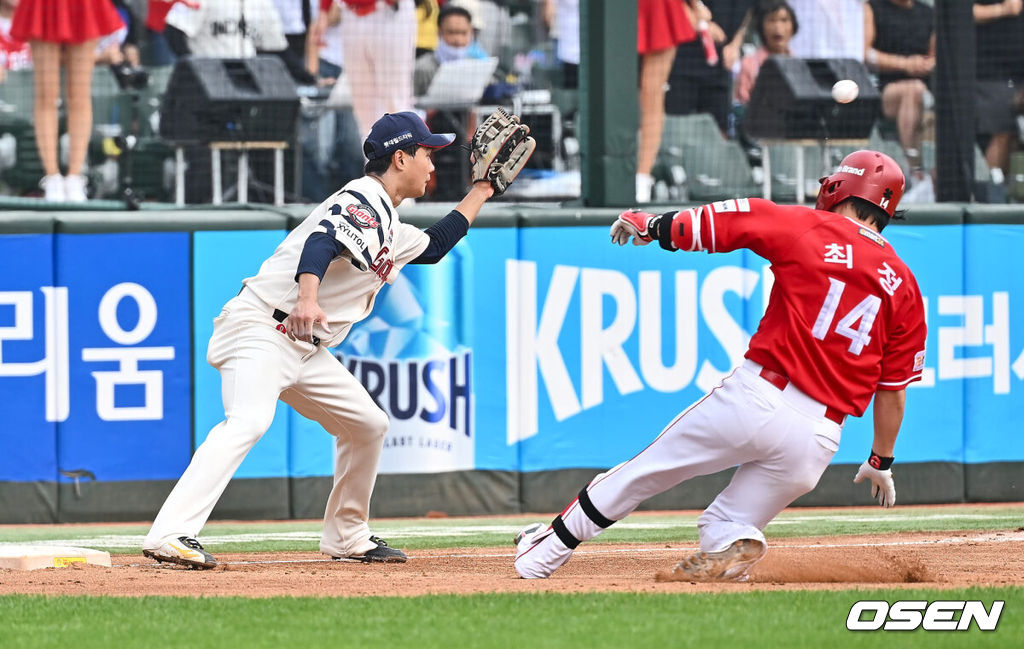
column 870, row 175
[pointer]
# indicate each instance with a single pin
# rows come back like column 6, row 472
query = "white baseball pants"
column 780, row 439
column 259, row 365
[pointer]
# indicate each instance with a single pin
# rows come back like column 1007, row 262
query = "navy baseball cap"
column 397, row 131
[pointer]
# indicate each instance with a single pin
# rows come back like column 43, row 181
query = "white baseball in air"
column 845, row 90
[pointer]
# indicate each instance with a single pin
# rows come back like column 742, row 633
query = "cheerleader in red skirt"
column 662, row 25
column 63, row 30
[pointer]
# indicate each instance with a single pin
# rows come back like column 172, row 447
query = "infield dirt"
column 929, row 559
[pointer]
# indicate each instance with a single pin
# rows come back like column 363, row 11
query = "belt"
column 780, row 381
column 280, row 316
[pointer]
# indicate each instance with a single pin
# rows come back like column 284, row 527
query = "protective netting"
column 735, row 96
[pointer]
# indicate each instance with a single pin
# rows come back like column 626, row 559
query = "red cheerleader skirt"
column 662, row 24
column 64, row 21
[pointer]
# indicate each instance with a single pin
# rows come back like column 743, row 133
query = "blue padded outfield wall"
column 528, row 351
column 96, row 344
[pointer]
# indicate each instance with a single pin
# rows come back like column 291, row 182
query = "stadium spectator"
column 333, row 151
column 225, row 29
column 296, row 16
column 379, row 42
column 563, row 18
column 1000, row 77
column 899, row 45
column 833, row 29
column 157, row 51
column 701, row 77
column 14, row 54
column 68, row 30
column 491, row 22
column 120, row 50
column 233, row 29
column 455, row 41
column 323, row 41
column 662, row 25
column 776, row 23
column 426, row 26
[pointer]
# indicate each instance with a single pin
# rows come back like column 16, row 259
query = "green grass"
column 792, row 620
column 430, row 534
column 747, row 620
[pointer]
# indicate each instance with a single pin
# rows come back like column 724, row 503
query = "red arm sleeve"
column 754, row 223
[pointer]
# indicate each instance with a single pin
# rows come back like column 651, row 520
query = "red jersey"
column 156, row 17
column 14, row 54
column 845, row 317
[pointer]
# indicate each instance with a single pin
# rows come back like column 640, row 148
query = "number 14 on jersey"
column 865, row 313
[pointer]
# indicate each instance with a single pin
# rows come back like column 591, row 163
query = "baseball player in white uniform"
column 845, row 323
column 271, row 342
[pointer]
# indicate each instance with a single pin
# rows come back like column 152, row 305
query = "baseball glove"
column 500, row 148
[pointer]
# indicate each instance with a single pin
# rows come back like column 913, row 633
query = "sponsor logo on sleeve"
column 731, row 205
column 350, row 234
column 362, row 216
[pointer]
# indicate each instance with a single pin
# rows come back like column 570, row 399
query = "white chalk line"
column 510, row 529
column 1007, row 537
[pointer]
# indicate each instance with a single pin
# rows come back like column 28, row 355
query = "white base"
column 34, row 557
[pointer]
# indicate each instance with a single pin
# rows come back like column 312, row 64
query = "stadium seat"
column 24, row 175
column 688, row 129
column 105, row 95
column 18, row 92
column 718, row 172
column 981, row 170
column 782, row 159
column 879, row 141
column 714, row 167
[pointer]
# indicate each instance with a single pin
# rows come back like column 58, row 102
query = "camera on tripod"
column 129, row 77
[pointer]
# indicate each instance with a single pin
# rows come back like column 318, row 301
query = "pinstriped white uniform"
column 259, row 364
column 347, row 291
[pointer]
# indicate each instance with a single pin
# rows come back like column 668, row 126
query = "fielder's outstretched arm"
column 448, row 231
column 478, row 194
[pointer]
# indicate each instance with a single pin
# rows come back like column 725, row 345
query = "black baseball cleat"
column 383, row 553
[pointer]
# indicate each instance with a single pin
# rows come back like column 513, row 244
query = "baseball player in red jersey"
column 845, row 322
